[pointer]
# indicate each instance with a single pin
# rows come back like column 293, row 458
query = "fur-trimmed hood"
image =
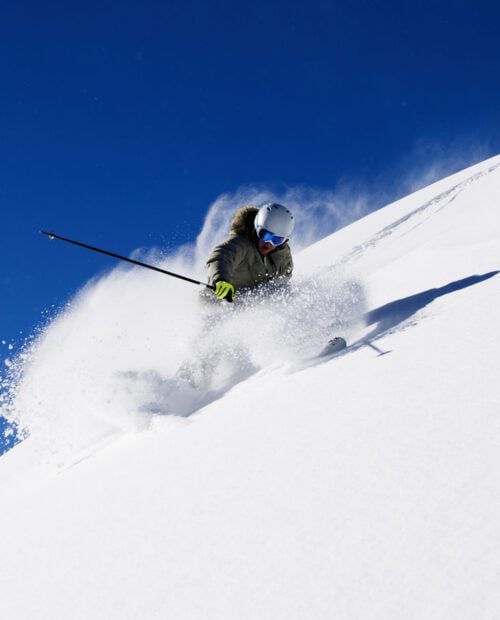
column 243, row 222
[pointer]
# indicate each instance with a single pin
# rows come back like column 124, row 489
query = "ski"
column 335, row 345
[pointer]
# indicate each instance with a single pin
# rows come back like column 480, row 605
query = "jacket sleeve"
column 288, row 268
column 224, row 258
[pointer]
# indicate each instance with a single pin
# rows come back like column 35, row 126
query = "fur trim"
column 243, row 221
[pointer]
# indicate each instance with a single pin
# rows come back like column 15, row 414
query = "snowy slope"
column 364, row 486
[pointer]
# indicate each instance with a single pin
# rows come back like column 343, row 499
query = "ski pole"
column 52, row 235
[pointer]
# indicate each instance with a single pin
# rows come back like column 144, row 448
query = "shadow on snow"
column 398, row 314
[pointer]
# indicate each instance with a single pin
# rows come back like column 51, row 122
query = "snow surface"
column 271, row 484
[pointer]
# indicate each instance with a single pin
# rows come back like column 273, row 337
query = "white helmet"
column 274, row 223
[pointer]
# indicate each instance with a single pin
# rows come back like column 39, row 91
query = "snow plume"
column 318, row 213
column 134, row 347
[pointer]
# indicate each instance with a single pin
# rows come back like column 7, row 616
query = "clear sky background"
column 120, row 122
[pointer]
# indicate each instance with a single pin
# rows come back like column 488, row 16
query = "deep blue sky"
column 120, row 122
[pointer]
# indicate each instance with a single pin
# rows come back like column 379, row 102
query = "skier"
column 255, row 252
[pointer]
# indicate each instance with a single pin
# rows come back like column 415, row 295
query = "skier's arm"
column 288, row 268
column 282, row 282
column 224, row 258
column 285, row 269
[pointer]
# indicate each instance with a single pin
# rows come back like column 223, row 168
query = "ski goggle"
column 268, row 237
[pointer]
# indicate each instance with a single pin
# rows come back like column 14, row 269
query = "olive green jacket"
column 237, row 259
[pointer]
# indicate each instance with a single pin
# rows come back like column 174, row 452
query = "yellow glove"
column 224, row 290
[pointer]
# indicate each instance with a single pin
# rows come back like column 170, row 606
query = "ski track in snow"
column 430, row 208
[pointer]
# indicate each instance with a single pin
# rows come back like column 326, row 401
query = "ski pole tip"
column 50, row 235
